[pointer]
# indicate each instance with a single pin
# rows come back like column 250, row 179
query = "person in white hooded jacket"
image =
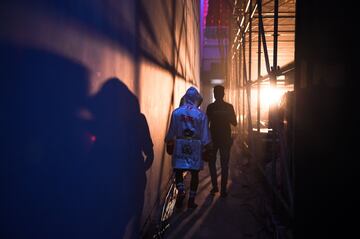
column 190, row 135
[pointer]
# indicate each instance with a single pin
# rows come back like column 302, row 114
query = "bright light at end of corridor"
column 270, row 95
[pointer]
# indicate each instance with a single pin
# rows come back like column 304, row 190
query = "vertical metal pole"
column 238, row 67
column 247, row 88
column 276, row 21
column 259, row 2
column 241, row 75
column 244, row 74
column 250, row 58
column 242, row 90
column 273, row 73
column 273, row 114
column 238, row 112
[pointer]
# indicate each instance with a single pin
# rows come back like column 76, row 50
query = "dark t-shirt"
column 221, row 115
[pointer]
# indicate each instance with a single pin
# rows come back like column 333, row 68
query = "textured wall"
column 73, row 136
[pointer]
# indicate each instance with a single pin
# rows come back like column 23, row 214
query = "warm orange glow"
column 270, row 95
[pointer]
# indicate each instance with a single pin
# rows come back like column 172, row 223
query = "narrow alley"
column 116, row 117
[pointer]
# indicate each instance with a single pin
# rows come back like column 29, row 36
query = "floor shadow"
column 239, row 215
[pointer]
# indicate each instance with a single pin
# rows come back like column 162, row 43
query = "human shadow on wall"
column 55, row 182
column 122, row 153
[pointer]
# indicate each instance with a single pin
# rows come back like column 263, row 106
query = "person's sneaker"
column 214, row 190
column 191, row 203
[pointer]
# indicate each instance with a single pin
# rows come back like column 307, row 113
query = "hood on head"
column 192, row 97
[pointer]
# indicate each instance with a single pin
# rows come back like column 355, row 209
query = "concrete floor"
column 242, row 214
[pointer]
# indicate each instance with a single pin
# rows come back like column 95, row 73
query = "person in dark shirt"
column 220, row 115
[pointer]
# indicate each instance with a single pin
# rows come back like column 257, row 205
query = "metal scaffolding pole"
column 272, row 113
column 259, row 4
column 250, row 51
column 262, row 30
column 267, row 13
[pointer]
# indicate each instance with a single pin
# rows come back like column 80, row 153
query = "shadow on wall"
column 119, row 22
column 64, row 175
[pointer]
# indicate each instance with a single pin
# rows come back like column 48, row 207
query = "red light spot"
column 93, row 138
